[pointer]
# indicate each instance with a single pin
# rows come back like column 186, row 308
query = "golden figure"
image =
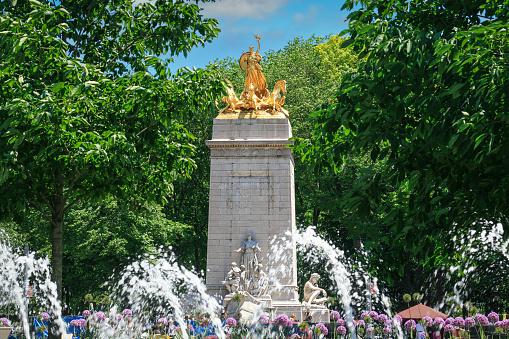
column 256, row 98
column 250, row 63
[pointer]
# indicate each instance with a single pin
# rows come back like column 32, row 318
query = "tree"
column 430, row 98
column 87, row 108
column 101, row 239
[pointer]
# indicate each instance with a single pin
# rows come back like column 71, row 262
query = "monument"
column 251, row 253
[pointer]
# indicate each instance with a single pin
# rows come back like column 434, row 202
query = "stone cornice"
column 271, row 143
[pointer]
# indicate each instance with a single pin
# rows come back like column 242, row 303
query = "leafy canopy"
column 89, row 108
column 430, row 97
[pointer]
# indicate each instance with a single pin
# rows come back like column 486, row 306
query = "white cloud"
column 237, row 9
column 305, row 18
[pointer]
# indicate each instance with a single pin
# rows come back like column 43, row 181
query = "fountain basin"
column 5, row 332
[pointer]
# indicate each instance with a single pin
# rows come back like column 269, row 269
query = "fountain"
column 15, row 272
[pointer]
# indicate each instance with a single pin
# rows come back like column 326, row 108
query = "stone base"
column 247, row 307
column 320, row 314
column 5, row 332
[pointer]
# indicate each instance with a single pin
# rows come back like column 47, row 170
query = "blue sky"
column 276, row 21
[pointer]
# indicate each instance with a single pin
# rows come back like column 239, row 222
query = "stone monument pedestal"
column 252, row 191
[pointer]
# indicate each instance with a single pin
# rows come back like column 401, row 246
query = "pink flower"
column 449, row 328
column 45, row 316
column 398, row 318
column 439, row 322
column 410, row 324
column 436, row 335
column 493, row 317
column 342, row 330
column 320, row 328
column 86, row 313
column 428, row 321
column 231, row 322
column 127, row 313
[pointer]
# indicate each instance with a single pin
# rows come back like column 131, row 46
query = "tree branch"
column 31, row 203
column 40, row 194
column 73, row 183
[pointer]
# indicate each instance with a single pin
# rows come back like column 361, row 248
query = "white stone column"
column 252, row 190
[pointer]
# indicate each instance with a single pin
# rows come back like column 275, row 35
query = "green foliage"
column 430, row 99
column 101, row 239
column 88, row 109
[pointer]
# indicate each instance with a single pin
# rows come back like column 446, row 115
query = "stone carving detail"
column 256, row 96
column 249, row 258
column 312, row 291
column 233, row 278
column 250, row 152
column 250, row 279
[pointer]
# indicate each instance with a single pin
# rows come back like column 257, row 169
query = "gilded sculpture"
column 255, row 97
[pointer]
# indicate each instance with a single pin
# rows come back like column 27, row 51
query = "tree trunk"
column 57, row 249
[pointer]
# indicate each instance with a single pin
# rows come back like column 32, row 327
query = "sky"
column 276, row 21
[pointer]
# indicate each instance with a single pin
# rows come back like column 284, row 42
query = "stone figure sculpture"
column 249, row 279
column 312, row 291
column 255, row 96
column 249, row 257
column 232, row 280
column 260, row 282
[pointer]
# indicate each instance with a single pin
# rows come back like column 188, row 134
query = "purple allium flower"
column 506, row 324
column 263, row 319
column 398, row 318
column 100, row 316
column 281, row 319
column 127, row 313
column 341, row 322
column 176, row 328
column 5, row 322
column 428, row 321
column 387, row 330
column 459, row 321
column 341, row 329
column 493, row 317
column 388, row 322
column 78, row 322
column 410, row 324
column 449, row 328
column 373, row 315
column 86, row 313
column 45, row 316
column 449, row 321
column 162, row 321
column 483, row 320
column 295, row 336
column 423, row 335
column 437, row 335
column 499, row 324
column 205, row 322
column 361, row 323
column 469, row 322
column 320, row 328
column 335, row 315
column 382, row 318
column 439, row 322
column 369, row 330
column 364, row 315
column 231, row 322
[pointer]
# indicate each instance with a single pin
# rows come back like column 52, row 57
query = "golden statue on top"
column 255, row 98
